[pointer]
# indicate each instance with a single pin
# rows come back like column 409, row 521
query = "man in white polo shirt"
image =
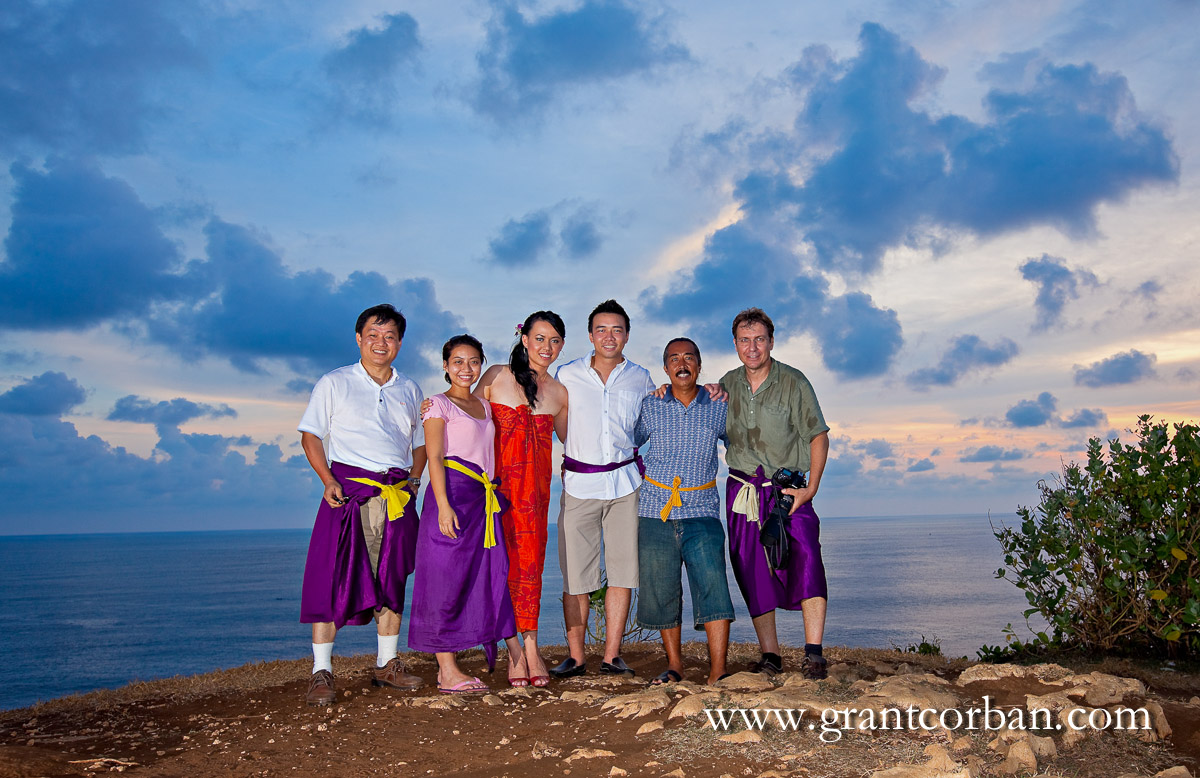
column 363, row 437
column 600, row 481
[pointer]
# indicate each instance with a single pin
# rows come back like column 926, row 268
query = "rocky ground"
column 252, row 721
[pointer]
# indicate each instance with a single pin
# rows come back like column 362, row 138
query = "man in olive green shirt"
column 774, row 421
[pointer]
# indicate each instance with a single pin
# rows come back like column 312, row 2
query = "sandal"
column 666, row 677
column 539, row 681
column 469, row 686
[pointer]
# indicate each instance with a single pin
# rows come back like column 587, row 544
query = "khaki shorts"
column 373, row 515
column 585, row 527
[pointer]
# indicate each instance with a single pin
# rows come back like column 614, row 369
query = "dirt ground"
column 252, row 721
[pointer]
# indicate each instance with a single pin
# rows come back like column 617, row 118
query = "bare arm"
column 418, row 466
column 819, row 451
column 314, row 449
column 483, row 389
column 560, row 420
column 435, row 450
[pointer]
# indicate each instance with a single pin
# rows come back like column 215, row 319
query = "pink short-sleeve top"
column 467, row 437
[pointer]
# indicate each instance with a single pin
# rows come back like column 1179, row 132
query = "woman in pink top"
column 460, row 588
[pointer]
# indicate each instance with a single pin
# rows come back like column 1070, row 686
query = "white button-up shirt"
column 600, row 421
column 364, row 424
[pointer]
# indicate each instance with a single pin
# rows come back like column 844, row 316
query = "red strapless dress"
column 523, row 444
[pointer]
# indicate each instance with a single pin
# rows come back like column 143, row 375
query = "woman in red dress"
column 527, row 405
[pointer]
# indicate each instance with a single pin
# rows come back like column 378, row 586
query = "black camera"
column 774, row 534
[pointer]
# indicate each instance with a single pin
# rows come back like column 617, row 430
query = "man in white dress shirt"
column 362, row 435
column 600, row 481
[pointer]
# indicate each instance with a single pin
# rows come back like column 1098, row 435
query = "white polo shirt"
column 364, row 424
column 600, row 422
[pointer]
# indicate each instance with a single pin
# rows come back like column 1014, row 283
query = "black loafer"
column 568, row 668
column 616, row 667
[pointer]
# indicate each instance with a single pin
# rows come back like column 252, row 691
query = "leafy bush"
column 1109, row 556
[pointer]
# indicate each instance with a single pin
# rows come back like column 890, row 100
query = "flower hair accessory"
column 520, row 330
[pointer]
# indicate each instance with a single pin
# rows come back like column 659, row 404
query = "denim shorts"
column 664, row 547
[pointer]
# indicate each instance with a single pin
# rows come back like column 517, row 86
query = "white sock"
column 387, row 649
column 322, row 657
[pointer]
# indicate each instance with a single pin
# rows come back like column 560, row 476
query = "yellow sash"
column 747, row 499
column 675, row 501
column 395, row 495
column 491, row 504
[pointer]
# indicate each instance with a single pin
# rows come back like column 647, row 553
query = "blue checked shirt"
column 683, row 442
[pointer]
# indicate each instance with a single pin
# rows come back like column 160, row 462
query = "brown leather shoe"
column 392, row 674
column 320, row 689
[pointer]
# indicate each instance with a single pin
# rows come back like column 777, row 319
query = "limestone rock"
column 587, row 753
column 961, row 745
column 745, row 736
column 616, row 772
column 1099, row 689
column 922, row 691
column 1174, row 772
column 1043, row 747
column 795, row 680
column 541, row 750
column 586, row 697
column 694, row 705
column 677, row 773
column 745, row 682
column 1160, row 729
column 1020, row 759
column 918, row 771
column 492, row 700
column 939, row 758
column 1053, row 702
column 638, row 703
column 650, row 726
column 1047, row 673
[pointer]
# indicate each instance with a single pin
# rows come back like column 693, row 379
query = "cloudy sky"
column 975, row 225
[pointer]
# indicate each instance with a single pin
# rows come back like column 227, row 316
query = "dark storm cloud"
column 166, row 414
column 77, row 75
column 366, row 70
column 526, row 62
column 192, row 482
column 1124, row 368
column 1032, row 413
column 82, row 249
column 1056, row 284
column 992, row 454
column 1046, row 154
column 49, row 394
column 1085, row 417
column 856, row 338
column 921, row 466
column 580, row 234
column 521, row 241
column 966, row 354
column 261, row 309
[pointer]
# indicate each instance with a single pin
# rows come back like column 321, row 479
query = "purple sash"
column 575, row 466
column 460, row 590
column 763, row 589
column 338, row 583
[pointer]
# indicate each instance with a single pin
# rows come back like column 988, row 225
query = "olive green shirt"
column 774, row 426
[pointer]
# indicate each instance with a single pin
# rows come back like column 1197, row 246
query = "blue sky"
column 974, row 224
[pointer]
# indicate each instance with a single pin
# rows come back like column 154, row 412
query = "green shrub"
column 1109, row 556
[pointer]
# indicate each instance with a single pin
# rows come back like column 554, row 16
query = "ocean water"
column 81, row 612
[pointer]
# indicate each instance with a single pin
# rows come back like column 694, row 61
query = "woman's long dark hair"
column 518, row 361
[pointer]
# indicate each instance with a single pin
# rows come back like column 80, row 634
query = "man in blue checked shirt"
column 679, row 514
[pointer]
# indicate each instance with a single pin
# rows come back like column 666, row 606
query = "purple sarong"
column 764, row 589
column 460, row 592
column 338, row 584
